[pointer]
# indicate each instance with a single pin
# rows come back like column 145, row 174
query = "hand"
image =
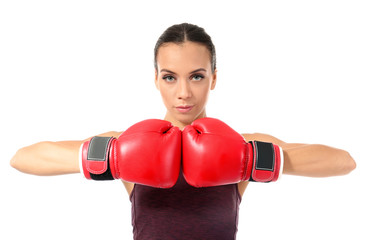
column 148, row 153
column 214, row 154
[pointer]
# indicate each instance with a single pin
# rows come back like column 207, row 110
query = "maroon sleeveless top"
column 185, row 212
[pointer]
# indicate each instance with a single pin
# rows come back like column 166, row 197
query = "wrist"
column 267, row 162
column 95, row 158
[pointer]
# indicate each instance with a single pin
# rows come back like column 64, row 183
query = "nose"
column 184, row 91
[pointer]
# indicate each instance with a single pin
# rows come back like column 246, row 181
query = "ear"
column 156, row 79
column 214, row 80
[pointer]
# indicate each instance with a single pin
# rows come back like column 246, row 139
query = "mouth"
column 184, row 108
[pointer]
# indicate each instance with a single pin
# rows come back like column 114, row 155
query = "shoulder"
column 262, row 137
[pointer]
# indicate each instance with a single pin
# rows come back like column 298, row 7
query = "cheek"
column 166, row 93
column 202, row 93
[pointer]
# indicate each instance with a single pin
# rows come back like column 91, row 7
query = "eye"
column 197, row 77
column 168, row 78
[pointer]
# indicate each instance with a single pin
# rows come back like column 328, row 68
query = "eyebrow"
column 197, row 70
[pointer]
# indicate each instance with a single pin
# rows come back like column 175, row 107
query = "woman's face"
column 184, row 79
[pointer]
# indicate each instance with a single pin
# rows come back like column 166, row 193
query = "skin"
column 181, row 83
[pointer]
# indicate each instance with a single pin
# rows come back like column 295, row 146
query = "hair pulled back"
column 180, row 33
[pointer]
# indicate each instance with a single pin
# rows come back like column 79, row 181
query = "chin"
column 187, row 119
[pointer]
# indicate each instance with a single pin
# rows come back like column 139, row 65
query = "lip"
column 184, row 108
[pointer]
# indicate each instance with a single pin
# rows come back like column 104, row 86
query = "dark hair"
column 180, row 33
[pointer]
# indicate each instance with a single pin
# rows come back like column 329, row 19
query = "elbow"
column 24, row 159
column 346, row 163
column 16, row 161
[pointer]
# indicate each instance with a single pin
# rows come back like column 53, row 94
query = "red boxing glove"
column 214, row 154
column 148, row 153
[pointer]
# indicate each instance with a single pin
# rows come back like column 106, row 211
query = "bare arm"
column 50, row 158
column 311, row 160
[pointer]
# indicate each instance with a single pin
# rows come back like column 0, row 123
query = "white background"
column 72, row 69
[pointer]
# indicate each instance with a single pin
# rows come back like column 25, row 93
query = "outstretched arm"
column 50, row 158
column 310, row 160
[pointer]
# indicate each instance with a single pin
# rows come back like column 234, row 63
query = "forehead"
column 188, row 54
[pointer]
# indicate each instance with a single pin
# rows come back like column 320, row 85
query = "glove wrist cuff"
column 95, row 158
column 267, row 162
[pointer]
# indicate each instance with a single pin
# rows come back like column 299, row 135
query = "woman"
column 185, row 72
